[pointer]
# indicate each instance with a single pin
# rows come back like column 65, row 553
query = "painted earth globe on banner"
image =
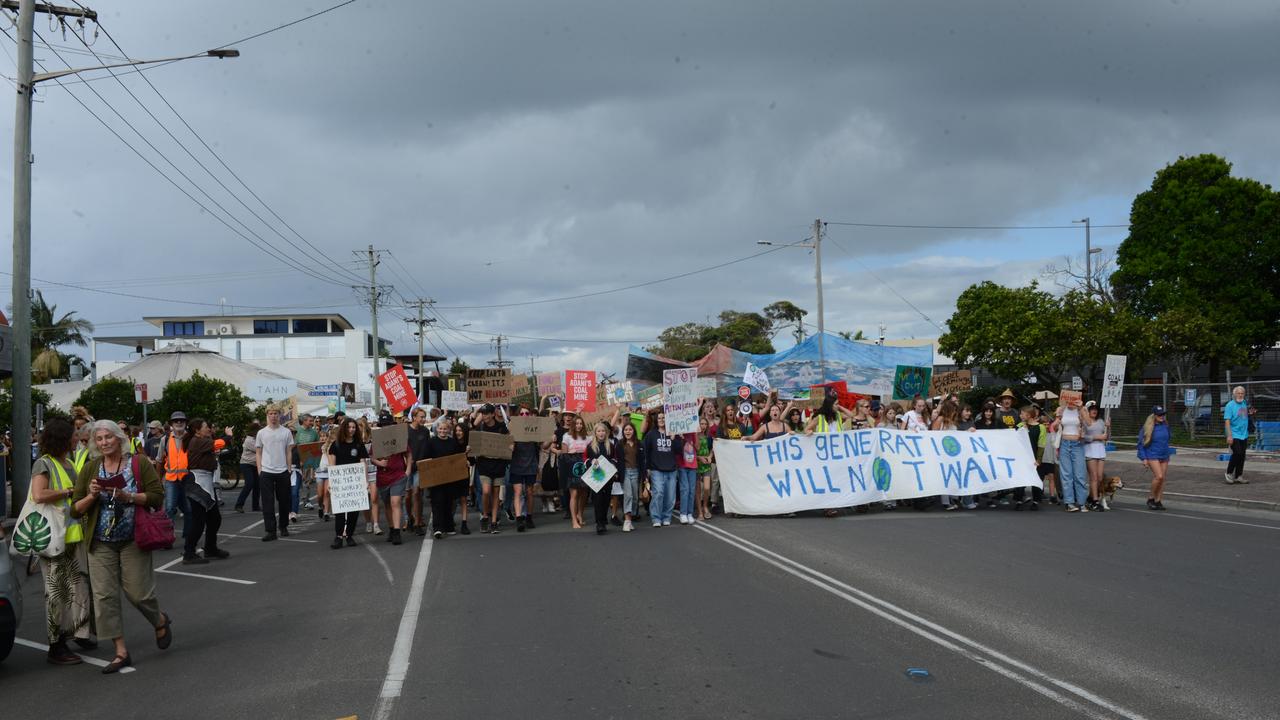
column 881, row 474
column 951, row 446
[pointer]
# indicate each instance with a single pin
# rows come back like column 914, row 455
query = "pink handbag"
column 152, row 528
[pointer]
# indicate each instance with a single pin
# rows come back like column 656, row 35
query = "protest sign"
column 591, row 417
column 650, row 397
column 1077, row 382
column 756, row 378
column 309, row 455
column 1070, row 398
column 264, row 390
column 490, row 445
column 553, row 402
column 530, row 428
column 521, row 390
column 442, row 470
column 455, row 400
column 705, row 387
column 620, row 393
column 598, row 473
column 833, row 470
column 489, row 385
column 1113, row 381
column 955, row 381
column 288, row 408
column 680, row 400
column 581, row 390
column 389, row 440
column 397, row 389
column 844, row 398
column 910, row 381
column 549, row 384
column 348, row 488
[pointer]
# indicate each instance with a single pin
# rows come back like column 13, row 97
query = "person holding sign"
column 443, row 444
column 490, row 472
column 393, row 478
column 1154, row 452
column 525, row 457
column 349, row 449
column 602, row 446
column 662, row 452
column 1096, row 433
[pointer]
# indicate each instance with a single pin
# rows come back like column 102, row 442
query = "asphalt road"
column 1128, row 614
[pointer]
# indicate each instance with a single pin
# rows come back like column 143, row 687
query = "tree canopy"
column 1203, row 244
column 219, row 402
column 749, row 332
column 111, row 399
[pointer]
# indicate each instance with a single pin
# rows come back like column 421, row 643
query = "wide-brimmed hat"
column 178, row 415
column 155, row 424
column 1008, row 393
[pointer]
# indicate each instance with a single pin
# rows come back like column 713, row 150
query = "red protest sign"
column 580, row 390
column 397, row 389
column 844, row 398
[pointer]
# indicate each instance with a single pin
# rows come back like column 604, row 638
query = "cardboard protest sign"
column 680, row 400
column 1113, row 381
column 591, row 417
column 442, row 470
column 650, row 397
column 549, row 384
column 455, row 400
column 620, row 393
column 489, row 445
column 910, row 381
column 580, row 387
column 397, row 389
column 309, row 455
column 1070, row 398
column 489, row 385
column 705, row 387
column 756, row 378
column 531, row 428
column 833, row 470
column 348, row 488
column 521, row 390
column 388, row 441
column 598, row 473
column 955, row 381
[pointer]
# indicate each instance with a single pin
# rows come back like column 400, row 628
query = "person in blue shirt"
column 1236, row 419
column 1154, row 452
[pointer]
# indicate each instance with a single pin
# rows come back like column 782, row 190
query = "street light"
column 1089, row 250
column 22, row 160
column 817, row 274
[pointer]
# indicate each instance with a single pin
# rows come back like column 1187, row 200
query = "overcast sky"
column 511, row 151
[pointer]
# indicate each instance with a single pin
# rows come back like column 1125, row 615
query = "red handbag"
column 152, row 528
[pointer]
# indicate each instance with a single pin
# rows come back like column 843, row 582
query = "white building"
column 317, row 349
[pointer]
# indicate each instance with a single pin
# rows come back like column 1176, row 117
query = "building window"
column 311, row 326
column 175, row 329
column 270, row 327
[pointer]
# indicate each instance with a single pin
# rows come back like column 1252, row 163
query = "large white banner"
column 680, row 400
column 833, row 470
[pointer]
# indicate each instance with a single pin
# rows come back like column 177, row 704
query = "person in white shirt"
column 274, row 454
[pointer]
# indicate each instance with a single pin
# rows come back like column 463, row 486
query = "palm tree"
column 847, row 335
column 48, row 334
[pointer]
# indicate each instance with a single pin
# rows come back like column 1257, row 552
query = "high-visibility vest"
column 62, row 481
column 79, row 458
column 822, row 424
column 135, row 445
column 175, row 461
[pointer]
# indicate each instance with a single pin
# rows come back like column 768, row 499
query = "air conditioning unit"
column 225, row 329
column 210, row 332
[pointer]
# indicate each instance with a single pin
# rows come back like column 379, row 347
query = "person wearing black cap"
column 490, row 472
column 173, row 460
column 1153, row 451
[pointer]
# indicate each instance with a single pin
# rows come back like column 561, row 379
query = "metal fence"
column 1195, row 413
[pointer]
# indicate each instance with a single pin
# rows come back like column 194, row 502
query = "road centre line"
column 1193, row 517
column 87, row 658
column 398, row 665
column 385, row 567
column 1073, row 696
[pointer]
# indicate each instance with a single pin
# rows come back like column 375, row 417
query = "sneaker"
column 351, row 542
column 520, row 524
column 510, row 516
column 1151, row 504
column 1053, row 500
column 1241, row 481
column 437, row 535
column 284, row 532
column 293, row 517
column 450, row 532
column 368, row 528
column 493, row 528
column 666, row 522
column 1018, row 506
column 395, row 537
column 377, row 529
column 602, row 529
column 617, row 522
column 336, row 544
column 1159, row 505
column 951, row 507
column 240, row 508
column 269, row 537
column 973, row 506
column 484, row 524
column 627, row 526
column 217, row 554
column 658, row 523
column 420, row 530
column 528, row 522
column 1073, row 508
column 684, row 519
column 464, row 529
column 1228, row 479
column 1084, row 508
column 194, row 560
column 1033, row 505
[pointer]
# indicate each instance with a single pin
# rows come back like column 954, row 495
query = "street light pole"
column 22, row 160
column 817, row 273
column 1088, row 257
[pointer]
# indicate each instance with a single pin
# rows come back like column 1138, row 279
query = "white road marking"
column 1016, row 670
column 385, row 567
column 398, row 666
column 1193, row 517
column 169, row 564
column 208, row 577
column 91, row 660
column 247, row 529
column 254, row 537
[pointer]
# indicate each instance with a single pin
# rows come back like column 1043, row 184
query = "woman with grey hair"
column 109, row 490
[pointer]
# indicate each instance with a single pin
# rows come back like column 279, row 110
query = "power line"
column 180, row 302
column 709, row 268
column 216, row 156
column 887, row 286
column 968, row 227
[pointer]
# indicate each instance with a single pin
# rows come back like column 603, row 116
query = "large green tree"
column 219, row 402
column 1205, row 244
column 746, row 331
column 686, row 342
column 111, row 399
column 785, row 313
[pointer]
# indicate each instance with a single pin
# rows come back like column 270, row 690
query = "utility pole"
column 500, row 363
column 22, row 160
column 817, row 272
column 375, row 297
column 533, row 378
column 1088, row 257
column 422, row 323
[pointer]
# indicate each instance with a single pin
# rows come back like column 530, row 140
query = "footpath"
column 1198, row 477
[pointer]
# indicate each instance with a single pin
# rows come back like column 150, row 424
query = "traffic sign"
column 140, row 393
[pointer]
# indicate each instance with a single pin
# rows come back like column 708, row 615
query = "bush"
column 111, row 399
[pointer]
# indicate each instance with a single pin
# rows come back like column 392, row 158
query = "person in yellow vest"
column 66, row 576
column 80, row 451
column 173, row 460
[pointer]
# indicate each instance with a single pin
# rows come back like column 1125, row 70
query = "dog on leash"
column 1108, row 489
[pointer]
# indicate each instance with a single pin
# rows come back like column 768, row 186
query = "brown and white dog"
column 1107, row 490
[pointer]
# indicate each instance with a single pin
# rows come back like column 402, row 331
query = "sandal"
column 120, row 661
column 163, row 641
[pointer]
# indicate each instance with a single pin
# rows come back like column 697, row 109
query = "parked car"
column 10, row 601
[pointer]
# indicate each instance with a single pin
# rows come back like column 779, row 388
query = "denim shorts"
column 395, row 489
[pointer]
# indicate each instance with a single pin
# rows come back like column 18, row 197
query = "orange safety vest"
column 175, row 461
